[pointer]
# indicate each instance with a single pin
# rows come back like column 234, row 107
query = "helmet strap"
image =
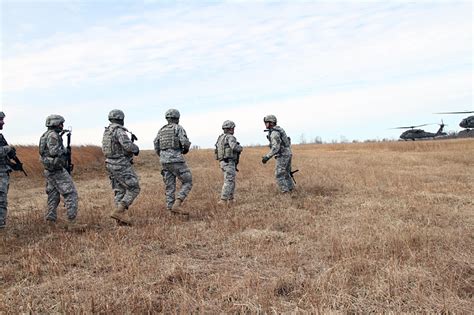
column 117, row 121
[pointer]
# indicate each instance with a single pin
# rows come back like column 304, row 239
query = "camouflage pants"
column 59, row 183
column 171, row 171
column 228, row 188
column 283, row 173
column 4, row 184
column 124, row 182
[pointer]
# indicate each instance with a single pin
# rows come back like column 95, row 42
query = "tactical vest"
column 3, row 142
column 169, row 137
column 111, row 147
column 285, row 140
column 223, row 150
column 43, row 145
column 49, row 162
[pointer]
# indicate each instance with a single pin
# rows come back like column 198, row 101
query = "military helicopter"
column 413, row 134
column 466, row 123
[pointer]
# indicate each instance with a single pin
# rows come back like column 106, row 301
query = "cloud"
column 322, row 68
column 214, row 38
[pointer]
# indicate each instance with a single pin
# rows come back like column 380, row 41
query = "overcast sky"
column 347, row 69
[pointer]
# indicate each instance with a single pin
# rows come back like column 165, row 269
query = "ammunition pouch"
column 228, row 152
column 53, row 164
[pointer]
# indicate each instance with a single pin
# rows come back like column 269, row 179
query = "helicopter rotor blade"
column 411, row 127
column 461, row 112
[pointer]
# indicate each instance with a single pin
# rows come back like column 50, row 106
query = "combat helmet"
column 172, row 114
column 2, row 115
column 54, row 120
column 270, row 118
column 228, row 124
column 116, row 114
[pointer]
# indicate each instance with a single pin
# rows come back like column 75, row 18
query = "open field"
column 377, row 227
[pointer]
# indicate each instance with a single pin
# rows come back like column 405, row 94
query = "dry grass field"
column 377, row 227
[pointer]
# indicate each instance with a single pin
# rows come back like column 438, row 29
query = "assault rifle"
column 237, row 159
column 292, row 177
column 269, row 133
column 17, row 166
column 69, row 166
column 133, row 137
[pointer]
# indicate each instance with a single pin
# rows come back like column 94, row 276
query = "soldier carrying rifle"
column 119, row 150
column 227, row 152
column 280, row 148
column 57, row 165
column 8, row 162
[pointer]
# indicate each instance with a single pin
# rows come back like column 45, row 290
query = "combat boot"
column 228, row 203
column 72, row 225
column 121, row 215
column 178, row 208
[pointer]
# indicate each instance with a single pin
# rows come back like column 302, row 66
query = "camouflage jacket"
column 279, row 146
column 4, row 160
column 173, row 155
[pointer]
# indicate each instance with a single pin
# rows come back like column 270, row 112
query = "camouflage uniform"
column 119, row 150
column 227, row 153
column 280, row 148
column 170, row 144
column 58, row 180
column 5, row 170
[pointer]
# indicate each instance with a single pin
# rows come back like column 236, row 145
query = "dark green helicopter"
column 414, row 134
column 467, row 123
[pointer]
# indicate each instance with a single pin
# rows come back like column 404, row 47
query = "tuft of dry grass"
column 86, row 159
column 372, row 227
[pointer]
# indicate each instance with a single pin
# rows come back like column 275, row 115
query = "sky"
column 345, row 70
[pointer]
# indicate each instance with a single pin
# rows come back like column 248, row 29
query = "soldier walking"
column 59, row 182
column 171, row 143
column 280, row 148
column 119, row 150
column 6, row 153
column 227, row 153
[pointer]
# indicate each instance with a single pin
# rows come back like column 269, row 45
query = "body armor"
column 169, row 137
column 110, row 146
column 3, row 143
column 285, row 140
column 50, row 163
column 223, row 150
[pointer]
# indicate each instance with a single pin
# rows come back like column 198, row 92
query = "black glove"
column 185, row 150
column 17, row 166
column 265, row 159
column 136, row 153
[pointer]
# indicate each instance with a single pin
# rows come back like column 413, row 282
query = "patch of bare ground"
column 378, row 227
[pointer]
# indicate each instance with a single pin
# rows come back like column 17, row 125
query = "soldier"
column 227, row 153
column 119, row 151
column 280, row 148
column 6, row 153
column 58, row 180
column 170, row 144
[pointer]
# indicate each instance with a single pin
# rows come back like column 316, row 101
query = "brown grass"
column 379, row 227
